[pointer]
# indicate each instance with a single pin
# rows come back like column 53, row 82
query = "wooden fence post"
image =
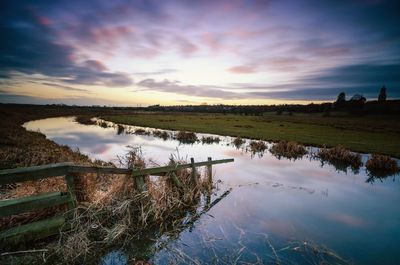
column 209, row 170
column 71, row 191
column 140, row 183
column 194, row 177
column 176, row 181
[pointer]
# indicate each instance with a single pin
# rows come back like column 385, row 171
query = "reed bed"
column 257, row 146
column 238, row 142
column 85, row 120
column 112, row 213
column 290, row 150
column 161, row 134
column 210, row 139
column 382, row 165
column 186, row 137
column 340, row 157
column 141, row 131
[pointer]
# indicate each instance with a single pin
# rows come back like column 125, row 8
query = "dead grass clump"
column 238, row 142
column 122, row 214
column 186, row 137
column 340, row 157
column 291, row 150
column 257, row 146
column 141, row 131
column 85, row 120
column 120, row 129
column 210, row 139
column 161, row 134
column 103, row 124
column 382, row 165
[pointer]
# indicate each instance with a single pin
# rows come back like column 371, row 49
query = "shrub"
column 103, row 124
column 85, row 120
column 238, row 142
column 120, row 129
column 210, row 139
column 161, row 134
column 141, row 132
column 340, row 157
column 382, row 165
column 186, row 137
column 288, row 149
column 257, row 146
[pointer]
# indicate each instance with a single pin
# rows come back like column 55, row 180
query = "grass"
column 363, row 134
column 290, row 150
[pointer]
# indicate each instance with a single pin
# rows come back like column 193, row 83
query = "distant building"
column 358, row 98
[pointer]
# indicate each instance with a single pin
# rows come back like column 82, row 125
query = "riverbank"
column 369, row 134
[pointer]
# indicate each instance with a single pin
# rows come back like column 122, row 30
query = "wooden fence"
column 50, row 226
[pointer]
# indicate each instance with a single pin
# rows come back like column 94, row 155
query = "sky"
column 180, row 52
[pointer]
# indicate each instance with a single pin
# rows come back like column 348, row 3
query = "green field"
column 372, row 134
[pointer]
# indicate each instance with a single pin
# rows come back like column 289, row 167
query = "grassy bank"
column 363, row 134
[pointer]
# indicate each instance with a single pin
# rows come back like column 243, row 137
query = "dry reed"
column 340, row 157
column 382, row 165
column 291, row 150
column 238, row 142
column 257, row 146
column 186, row 137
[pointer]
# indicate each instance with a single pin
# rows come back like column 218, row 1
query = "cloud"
column 190, row 90
column 158, row 72
column 31, row 49
column 68, row 88
column 243, row 69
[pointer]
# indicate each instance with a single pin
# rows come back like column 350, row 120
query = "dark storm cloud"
column 30, row 46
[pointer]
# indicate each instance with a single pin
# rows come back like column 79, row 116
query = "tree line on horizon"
column 357, row 104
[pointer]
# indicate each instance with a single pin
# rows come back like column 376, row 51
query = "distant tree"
column 382, row 94
column 340, row 101
column 341, row 98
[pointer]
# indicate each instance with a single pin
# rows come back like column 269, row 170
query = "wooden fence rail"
column 44, row 228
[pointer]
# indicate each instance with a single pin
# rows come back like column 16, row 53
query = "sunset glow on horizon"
column 178, row 52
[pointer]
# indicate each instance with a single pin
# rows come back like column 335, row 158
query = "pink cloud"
column 243, row 69
column 211, row 41
column 185, row 46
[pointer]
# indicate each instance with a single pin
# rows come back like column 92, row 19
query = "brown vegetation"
column 186, row 137
column 161, row 134
column 210, row 139
column 85, row 120
column 141, row 131
column 238, row 142
column 291, row 150
column 257, row 146
column 382, row 165
column 340, row 157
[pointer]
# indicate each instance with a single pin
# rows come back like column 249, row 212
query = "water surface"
column 278, row 211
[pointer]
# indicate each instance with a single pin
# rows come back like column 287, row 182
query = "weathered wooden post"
column 194, row 177
column 71, row 191
column 175, row 180
column 140, row 183
column 209, row 170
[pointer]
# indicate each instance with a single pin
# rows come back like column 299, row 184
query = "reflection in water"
column 277, row 211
